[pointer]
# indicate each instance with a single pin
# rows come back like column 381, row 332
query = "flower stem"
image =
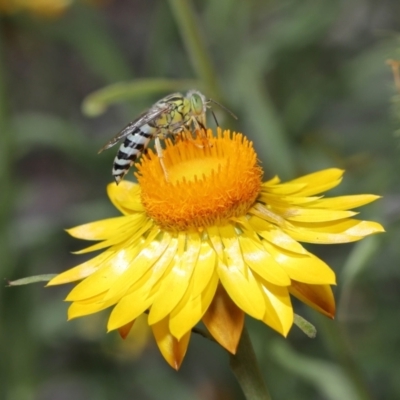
column 245, row 367
column 188, row 26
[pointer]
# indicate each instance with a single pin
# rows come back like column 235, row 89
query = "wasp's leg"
column 198, row 145
column 160, row 155
column 201, row 131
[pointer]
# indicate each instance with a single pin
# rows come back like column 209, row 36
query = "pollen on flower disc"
column 209, row 180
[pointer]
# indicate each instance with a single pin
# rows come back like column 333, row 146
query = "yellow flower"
column 212, row 243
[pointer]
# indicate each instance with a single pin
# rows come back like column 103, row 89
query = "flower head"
column 212, row 243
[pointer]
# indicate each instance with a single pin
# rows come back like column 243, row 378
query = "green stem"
column 188, row 26
column 245, row 367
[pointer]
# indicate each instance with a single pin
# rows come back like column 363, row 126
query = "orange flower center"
column 209, row 180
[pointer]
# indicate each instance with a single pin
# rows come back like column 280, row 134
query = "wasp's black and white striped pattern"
column 170, row 115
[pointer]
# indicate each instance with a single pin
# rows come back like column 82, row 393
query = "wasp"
column 171, row 115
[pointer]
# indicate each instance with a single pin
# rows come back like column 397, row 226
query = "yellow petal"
column 104, row 277
column 266, row 215
column 279, row 311
column 319, row 297
column 304, row 268
column 161, row 268
column 344, row 202
column 173, row 350
column 237, row 278
column 272, row 182
column 144, row 260
column 260, row 261
column 205, row 268
column 176, row 282
column 126, row 238
column 81, row 271
column 276, row 235
column 283, row 189
column 215, row 238
column 149, row 277
column 126, row 197
column 93, row 300
column 141, row 295
column 346, row 231
column 190, row 309
column 320, row 177
column 128, row 309
column 243, row 290
column 312, row 215
column 106, row 228
column 318, row 182
column 276, row 200
column 232, row 253
column 224, row 320
column 80, row 309
column 307, row 185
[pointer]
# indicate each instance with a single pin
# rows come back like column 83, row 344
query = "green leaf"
column 97, row 102
column 32, row 279
column 307, row 328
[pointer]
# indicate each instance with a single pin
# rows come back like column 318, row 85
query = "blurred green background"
column 309, row 82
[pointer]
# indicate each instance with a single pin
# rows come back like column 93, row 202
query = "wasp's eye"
column 197, row 104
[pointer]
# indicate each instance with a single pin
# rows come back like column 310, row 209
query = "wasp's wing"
column 143, row 119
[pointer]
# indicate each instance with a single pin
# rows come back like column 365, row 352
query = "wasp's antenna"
column 215, row 118
column 224, row 108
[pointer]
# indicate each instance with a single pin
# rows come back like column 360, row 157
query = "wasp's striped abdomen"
column 130, row 150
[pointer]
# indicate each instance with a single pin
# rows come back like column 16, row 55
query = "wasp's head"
column 198, row 104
